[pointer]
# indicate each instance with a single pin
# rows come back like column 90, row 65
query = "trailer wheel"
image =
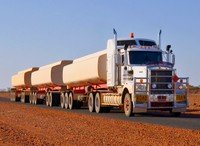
column 31, row 98
column 13, row 97
column 71, row 101
column 98, row 107
column 62, row 100
column 50, row 100
column 47, row 99
column 128, row 106
column 22, row 97
column 66, row 100
column 91, row 102
column 34, row 101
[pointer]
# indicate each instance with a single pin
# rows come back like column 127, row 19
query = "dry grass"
column 5, row 94
column 194, row 104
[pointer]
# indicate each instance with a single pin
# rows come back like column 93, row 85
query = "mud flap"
column 139, row 108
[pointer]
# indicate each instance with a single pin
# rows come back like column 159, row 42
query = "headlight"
column 169, row 85
column 179, row 86
column 140, row 87
column 153, row 86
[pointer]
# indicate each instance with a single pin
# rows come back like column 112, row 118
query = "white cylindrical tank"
column 87, row 70
column 23, row 78
column 50, row 75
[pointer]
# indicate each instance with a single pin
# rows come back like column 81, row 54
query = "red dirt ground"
column 27, row 125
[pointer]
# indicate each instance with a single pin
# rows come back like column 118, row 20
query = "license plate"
column 180, row 97
column 162, row 98
column 141, row 98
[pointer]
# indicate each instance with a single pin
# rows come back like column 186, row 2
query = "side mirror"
column 125, row 47
column 168, row 48
column 173, row 59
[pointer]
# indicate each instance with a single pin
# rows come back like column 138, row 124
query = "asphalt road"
column 186, row 121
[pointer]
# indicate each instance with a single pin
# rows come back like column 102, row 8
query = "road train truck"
column 132, row 74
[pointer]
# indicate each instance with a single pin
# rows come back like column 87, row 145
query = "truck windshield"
column 128, row 42
column 145, row 57
column 147, row 43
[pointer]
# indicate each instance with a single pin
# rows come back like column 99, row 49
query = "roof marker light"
column 131, row 35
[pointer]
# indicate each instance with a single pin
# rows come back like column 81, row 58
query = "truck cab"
column 147, row 74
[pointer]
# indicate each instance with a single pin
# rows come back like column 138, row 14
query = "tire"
column 34, row 98
column 31, row 98
column 50, row 100
column 13, row 97
column 22, row 97
column 66, row 100
column 47, row 99
column 128, row 105
column 71, row 101
column 62, row 100
column 91, row 102
column 98, row 107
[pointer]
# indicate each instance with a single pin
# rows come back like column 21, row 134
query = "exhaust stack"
column 159, row 39
column 115, row 63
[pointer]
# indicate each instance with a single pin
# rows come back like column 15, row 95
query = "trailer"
column 84, row 75
column 42, row 84
column 22, row 85
column 48, row 83
column 132, row 74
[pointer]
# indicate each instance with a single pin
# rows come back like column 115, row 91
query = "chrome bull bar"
column 142, row 86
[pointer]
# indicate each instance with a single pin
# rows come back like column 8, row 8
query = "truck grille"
column 161, row 78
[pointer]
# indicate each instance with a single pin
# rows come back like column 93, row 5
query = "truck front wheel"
column 128, row 106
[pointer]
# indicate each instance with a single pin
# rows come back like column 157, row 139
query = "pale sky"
column 40, row 32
